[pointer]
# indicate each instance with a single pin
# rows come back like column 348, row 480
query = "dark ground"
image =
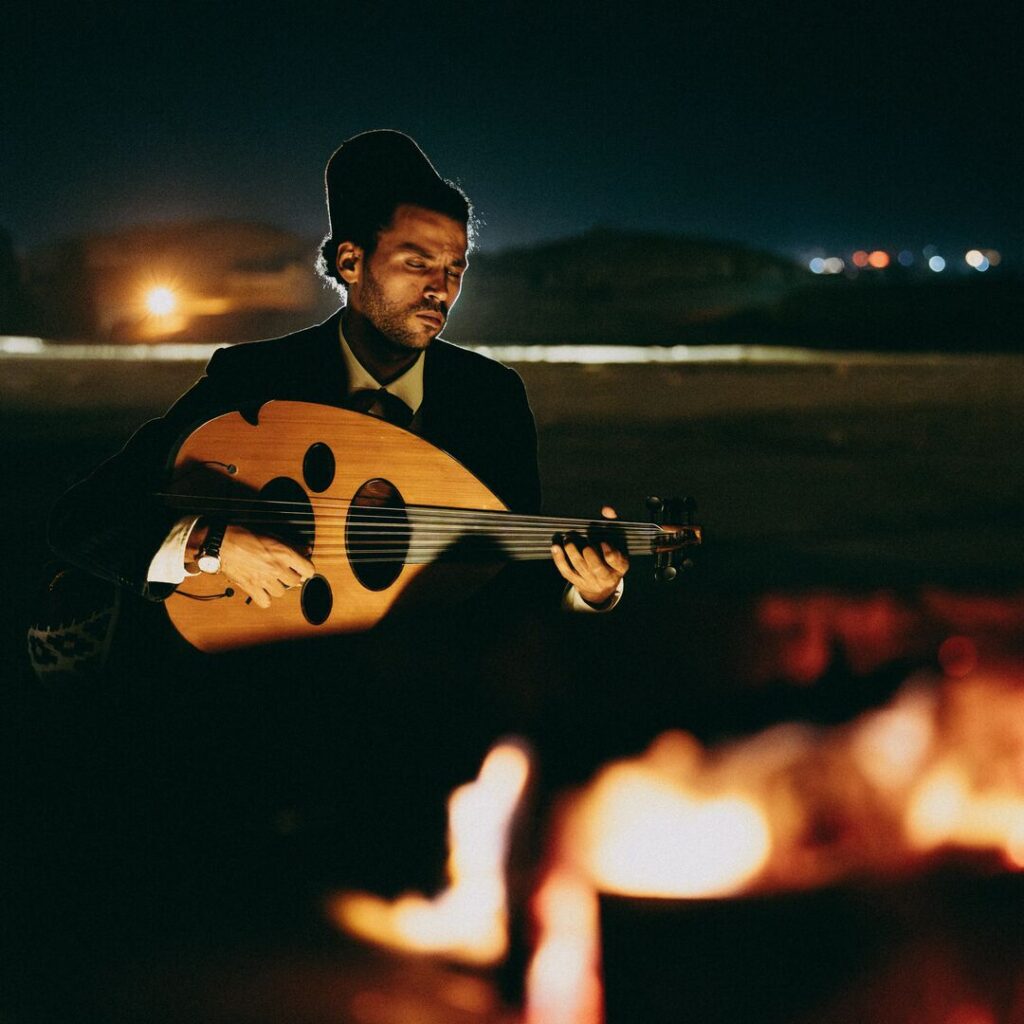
column 168, row 846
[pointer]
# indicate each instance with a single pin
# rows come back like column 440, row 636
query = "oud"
column 388, row 520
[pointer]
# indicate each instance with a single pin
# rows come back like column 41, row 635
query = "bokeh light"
column 937, row 263
column 879, row 259
column 161, row 301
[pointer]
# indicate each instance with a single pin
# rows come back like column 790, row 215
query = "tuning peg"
column 665, row 573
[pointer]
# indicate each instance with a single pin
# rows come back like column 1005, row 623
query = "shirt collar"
column 408, row 387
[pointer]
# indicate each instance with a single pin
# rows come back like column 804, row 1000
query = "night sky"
column 787, row 126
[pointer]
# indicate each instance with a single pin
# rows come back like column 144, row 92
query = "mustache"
column 426, row 306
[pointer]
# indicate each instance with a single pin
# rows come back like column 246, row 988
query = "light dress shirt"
column 168, row 564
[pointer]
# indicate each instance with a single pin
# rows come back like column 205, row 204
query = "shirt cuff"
column 168, row 565
column 572, row 602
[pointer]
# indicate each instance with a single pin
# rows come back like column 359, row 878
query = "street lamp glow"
column 161, row 301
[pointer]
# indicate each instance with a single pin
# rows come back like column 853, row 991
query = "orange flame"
column 947, row 810
column 645, row 834
column 563, row 984
column 467, row 922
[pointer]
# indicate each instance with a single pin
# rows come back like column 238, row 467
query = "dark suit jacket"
column 473, row 407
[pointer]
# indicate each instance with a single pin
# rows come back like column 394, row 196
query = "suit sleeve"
column 113, row 522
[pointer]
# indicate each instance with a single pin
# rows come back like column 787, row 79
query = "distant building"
column 208, row 281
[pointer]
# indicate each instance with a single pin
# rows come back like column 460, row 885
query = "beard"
column 392, row 321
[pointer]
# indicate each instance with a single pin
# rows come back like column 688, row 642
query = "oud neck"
column 517, row 537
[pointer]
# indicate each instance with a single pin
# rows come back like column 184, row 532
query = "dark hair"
column 362, row 225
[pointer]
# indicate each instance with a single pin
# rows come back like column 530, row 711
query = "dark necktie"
column 382, row 404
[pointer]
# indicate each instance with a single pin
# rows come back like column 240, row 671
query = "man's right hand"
column 264, row 567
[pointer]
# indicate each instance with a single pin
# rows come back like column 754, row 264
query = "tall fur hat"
column 374, row 169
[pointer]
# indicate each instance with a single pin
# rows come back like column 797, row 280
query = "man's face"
column 408, row 286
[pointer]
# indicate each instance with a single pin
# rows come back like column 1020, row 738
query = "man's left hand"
column 595, row 572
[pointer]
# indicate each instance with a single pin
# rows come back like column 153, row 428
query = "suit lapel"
column 438, row 410
column 324, row 379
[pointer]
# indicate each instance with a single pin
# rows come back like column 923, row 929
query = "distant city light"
column 878, row 259
column 977, row 259
column 831, row 265
column 161, row 301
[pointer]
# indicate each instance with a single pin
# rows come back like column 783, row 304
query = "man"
column 361, row 736
column 398, row 249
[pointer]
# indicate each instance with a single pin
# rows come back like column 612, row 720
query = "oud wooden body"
column 229, row 454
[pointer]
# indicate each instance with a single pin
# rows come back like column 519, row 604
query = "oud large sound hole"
column 284, row 511
column 377, row 534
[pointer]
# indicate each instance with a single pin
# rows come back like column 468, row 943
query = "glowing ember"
column 468, row 921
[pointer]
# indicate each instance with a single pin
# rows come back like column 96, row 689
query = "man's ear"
column 349, row 262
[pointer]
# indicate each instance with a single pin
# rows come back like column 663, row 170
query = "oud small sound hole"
column 318, row 467
column 316, row 600
column 377, row 534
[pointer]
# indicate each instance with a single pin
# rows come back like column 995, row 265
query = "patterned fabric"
column 72, row 627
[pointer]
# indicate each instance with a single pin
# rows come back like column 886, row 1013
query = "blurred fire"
column 940, row 767
column 468, row 921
